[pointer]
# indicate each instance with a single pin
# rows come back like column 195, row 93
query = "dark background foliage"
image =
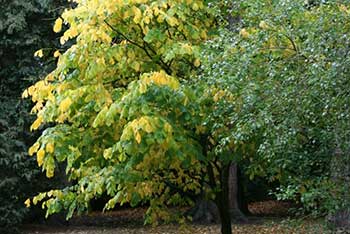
column 25, row 26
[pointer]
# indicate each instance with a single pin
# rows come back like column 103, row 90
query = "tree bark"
column 340, row 172
column 241, row 197
column 234, row 206
column 222, row 201
column 204, row 212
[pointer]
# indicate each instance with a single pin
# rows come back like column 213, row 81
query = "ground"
column 269, row 218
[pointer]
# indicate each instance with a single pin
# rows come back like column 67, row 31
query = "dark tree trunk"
column 233, row 186
column 340, row 172
column 222, row 201
column 236, row 198
column 204, row 212
column 242, row 201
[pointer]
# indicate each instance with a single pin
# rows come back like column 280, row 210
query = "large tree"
column 288, row 72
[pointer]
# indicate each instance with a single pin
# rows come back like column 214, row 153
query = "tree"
column 151, row 154
column 21, row 32
column 287, row 71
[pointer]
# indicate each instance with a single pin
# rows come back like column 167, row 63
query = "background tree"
column 287, row 71
column 21, row 33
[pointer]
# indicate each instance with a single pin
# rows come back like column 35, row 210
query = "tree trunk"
column 340, row 172
column 222, row 201
column 241, row 197
column 204, row 212
column 235, row 211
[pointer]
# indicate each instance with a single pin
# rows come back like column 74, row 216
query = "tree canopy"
column 96, row 88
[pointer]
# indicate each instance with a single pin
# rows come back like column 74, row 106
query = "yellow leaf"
column 244, row 33
column 138, row 14
column 148, row 128
column 168, row 128
column 25, row 94
column 172, row 21
column 65, row 104
column 72, row 32
column 143, row 88
column 36, row 123
column 50, row 77
column 344, row 9
column 160, row 19
column 63, row 40
column 138, row 137
column 197, row 63
column 187, row 48
column 61, row 118
column 27, row 203
column 203, row 34
column 263, row 25
column 56, row 54
column 40, row 157
column 50, row 147
column 39, row 53
column 33, row 149
column 107, row 153
column 137, row 66
column 58, row 25
column 156, row 11
column 49, row 172
column 147, row 20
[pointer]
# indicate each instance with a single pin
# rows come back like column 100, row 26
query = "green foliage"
column 287, row 72
column 131, row 119
column 14, row 171
column 121, row 120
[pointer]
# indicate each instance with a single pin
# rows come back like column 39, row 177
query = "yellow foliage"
column 168, row 128
column 187, row 48
column 25, row 94
column 344, row 8
column 27, row 203
column 197, row 62
column 56, row 54
column 91, row 72
column 39, row 53
column 161, row 79
column 220, row 94
column 50, row 147
column 49, row 172
column 40, row 157
column 263, row 25
column 36, row 124
column 107, row 153
column 138, row 14
column 138, row 137
column 58, row 25
column 172, row 21
column 65, row 104
column 33, row 149
column 244, row 33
